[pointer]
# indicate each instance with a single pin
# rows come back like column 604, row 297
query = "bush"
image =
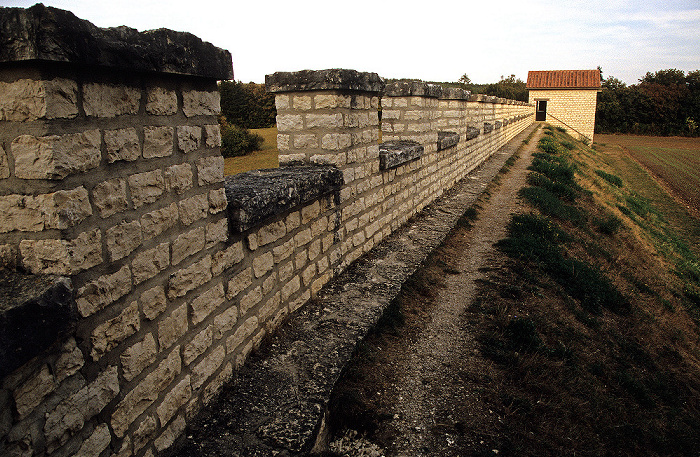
column 548, row 145
column 237, row 141
column 612, row 179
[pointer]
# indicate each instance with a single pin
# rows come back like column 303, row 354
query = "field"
column 264, row 158
column 674, row 161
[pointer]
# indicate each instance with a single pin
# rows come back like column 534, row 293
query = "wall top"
column 41, row 33
column 332, row 79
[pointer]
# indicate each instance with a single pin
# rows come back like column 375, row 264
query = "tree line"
column 665, row 102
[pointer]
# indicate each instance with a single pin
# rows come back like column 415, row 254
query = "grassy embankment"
column 266, row 157
column 597, row 339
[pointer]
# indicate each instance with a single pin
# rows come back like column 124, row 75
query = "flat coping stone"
column 42, row 33
column 255, row 196
column 35, row 312
column 488, row 127
column 498, row 125
column 447, row 140
column 413, row 89
column 395, row 153
column 472, row 132
column 331, row 79
column 277, row 402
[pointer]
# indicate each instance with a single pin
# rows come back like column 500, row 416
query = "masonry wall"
column 113, row 179
column 572, row 109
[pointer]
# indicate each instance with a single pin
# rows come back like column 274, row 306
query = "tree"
column 509, row 87
column 247, row 105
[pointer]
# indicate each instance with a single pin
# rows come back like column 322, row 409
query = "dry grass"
column 266, row 157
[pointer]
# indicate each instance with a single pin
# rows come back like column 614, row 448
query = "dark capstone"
column 447, row 140
column 332, row 79
column 258, row 195
column 506, row 122
column 454, row 93
column 54, row 35
column 413, row 89
column 472, row 132
column 488, row 127
column 394, row 153
column 35, row 310
column 498, row 125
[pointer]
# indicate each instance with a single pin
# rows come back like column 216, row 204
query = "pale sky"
column 436, row 40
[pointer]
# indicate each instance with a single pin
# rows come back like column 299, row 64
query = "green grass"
column 610, row 178
column 266, row 157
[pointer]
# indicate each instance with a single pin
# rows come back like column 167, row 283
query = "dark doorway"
column 541, row 110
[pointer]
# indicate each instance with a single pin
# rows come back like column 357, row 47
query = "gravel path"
column 430, row 396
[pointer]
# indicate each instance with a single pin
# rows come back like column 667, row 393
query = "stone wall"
column 572, row 109
column 112, row 188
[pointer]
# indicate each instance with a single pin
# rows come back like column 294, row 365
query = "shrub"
column 609, row 226
column 549, row 145
column 612, row 179
column 237, row 141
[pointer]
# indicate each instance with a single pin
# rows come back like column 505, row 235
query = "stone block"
column 157, row 142
column 4, row 164
column 110, row 100
column 239, row 283
column 201, row 103
column 217, row 200
column 324, row 121
column 189, row 278
column 283, row 250
column 138, row 357
column 193, row 209
column 262, row 264
column 203, row 305
column 206, row 368
column 21, row 212
column 225, row 321
column 196, row 347
column 32, row 392
column 187, row 244
column 172, row 327
column 85, row 251
column 161, row 101
column 103, row 291
column 210, row 170
column 138, row 399
column 153, row 302
column 226, row 258
column 56, row 156
column 146, row 187
column 217, row 232
column 289, row 122
column 290, row 287
column 149, row 263
column 123, row 239
column 109, row 197
column 28, row 100
column 108, row 335
column 244, row 331
column 122, row 144
column 174, row 400
column 271, row 232
column 158, row 221
column 251, row 299
column 45, row 256
column 301, row 102
column 212, row 134
column 96, row 442
column 305, row 141
column 69, row 362
column 189, row 138
column 144, row 433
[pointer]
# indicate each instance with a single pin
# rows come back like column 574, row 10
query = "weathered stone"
column 210, row 170
column 145, row 432
column 201, row 103
column 188, row 138
column 31, row 393
column 395, row 153
column 187, row 244
column 138, row 399
column 203, row 305
column 226, row 258
column 196, row 347
column 488, row 127
column 21, row 212
column 262, row 264
column 257, row 195
column 289, row 122
column 161, row 101
column 110, row 197
column 413, row 89
column 217, row 200
column 108, row 335
column 472, row 132
column 45, row 256
column 69, row 362
column 149, row 263
column 122, row 239
column 175, row 399
column 447, row 140
column 213, row 136
column 172, row 327
column 153, row 302
column 138, row 357
column 103, row 291
column 71, row 414
column 96, row 443
column 66, row 208
column 333, row 79
column 204, row 369
column 85, row 251
column 244, row 331
column 4, row 165
column 122, row 144
column 50, row 34
column 168, row 437
column 178, row 178
column 239, row 283
column 158, row 221
column 157, row 142
column 251, row 299
column 110, row 100
column 56, row 156
column 193, row 209
column 217, row 232
column 187, row 279
column 27, row 100
column 146, row 187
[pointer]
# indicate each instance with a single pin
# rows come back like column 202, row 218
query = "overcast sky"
column 435, row 40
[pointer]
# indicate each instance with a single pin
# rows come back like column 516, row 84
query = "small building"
column 566, row 98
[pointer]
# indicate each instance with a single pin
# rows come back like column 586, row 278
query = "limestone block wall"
column 112, row 187
column 572, row 109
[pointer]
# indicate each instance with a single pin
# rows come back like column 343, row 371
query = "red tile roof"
column 564, row 79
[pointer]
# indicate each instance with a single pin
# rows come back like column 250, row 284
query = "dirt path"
column 427, row 403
